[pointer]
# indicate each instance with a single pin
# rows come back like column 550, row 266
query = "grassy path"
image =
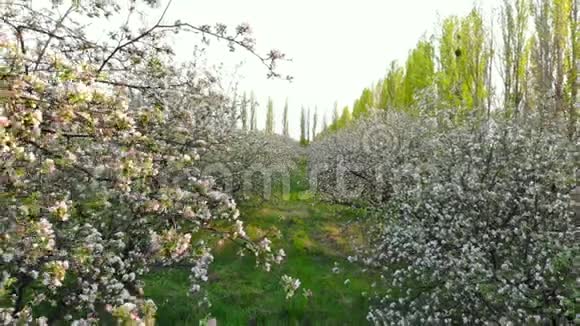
column 315, row 237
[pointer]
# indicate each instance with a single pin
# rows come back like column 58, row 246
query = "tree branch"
column 144, row 34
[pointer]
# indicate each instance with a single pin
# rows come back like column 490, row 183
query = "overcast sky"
column 337, row 47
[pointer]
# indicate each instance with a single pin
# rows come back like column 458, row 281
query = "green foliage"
column 464, row 59
column 392, row 88
column 363, row 104
column 344, row 118
column 461, row 80
column 419, row 73
column 302, row 242
column 515, row 52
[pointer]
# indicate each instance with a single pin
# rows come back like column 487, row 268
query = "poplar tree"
column 554, row 59
column 308, row 126
column 244, row 112
column 270, row 118
column 392, row 92
column 514, row 57
column 344, row 118
column 314, row 122
column 302, row 126
column 285, row 129
column 463, row 60
column 363, row 103
column 573, row 61
column 420, row 71
column 253, row 115
column 335, row 115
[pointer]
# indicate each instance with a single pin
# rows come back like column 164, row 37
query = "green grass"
column 314, row 235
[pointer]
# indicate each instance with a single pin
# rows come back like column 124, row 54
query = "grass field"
column 315, row 236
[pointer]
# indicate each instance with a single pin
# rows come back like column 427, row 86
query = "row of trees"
column 309, row 127
column 249, row 118
column 103, row 146
column 534, row 55
column 470, row 221
column 468, row 192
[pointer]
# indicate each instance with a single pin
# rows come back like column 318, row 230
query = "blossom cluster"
column 290, row 285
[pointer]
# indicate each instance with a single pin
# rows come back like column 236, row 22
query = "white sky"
column 337, row 47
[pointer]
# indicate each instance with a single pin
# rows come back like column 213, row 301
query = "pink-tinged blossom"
column 4, row 122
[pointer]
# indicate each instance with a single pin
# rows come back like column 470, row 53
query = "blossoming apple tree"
column 253, row 163
column 99, row 172
column 476, row 226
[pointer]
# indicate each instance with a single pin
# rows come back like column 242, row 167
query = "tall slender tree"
column 514, row 25
column 308, row 125
column 464, row 60
column 543, row 55
column 285, row 129
column 574, row 65
column 363, row 103
column 560, row 19
column 489, row 75
column 244, row 112
column 344, row 118
column 303, row 127
column 314, row 122
column 270, row 118
column 335, row 114
column 476, row 60
column 233, row 115
column 392, row 93
column 420, row 71
column 253, row 113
